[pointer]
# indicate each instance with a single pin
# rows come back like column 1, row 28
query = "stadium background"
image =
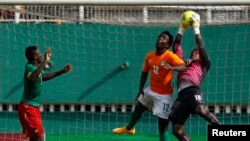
column 98, row 80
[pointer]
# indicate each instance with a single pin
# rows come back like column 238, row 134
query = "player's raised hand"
column 47, row 54
column 196, row 22
column 182, row 27
column 67, row 68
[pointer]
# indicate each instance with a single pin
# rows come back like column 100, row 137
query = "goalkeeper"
column 189, row 99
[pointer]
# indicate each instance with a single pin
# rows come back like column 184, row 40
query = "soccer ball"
column 186, row 18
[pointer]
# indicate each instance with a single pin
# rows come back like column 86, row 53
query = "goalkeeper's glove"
column 181, row 29
column 196, row 23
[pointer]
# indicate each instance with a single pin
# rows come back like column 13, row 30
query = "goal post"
column 128, row 2
column 106, row 42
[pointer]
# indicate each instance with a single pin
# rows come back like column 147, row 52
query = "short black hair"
column 170, row 36
column 194, row 49
column 29, row 52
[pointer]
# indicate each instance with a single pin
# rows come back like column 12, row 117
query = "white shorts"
column 160, row 104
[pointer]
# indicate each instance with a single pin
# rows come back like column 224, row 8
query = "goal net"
column 98, row 40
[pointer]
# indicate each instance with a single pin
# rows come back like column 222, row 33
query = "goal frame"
column 127, row 2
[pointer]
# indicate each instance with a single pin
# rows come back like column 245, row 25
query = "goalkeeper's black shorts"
column 185, row 104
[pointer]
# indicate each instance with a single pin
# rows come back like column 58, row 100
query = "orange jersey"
column 160, row 76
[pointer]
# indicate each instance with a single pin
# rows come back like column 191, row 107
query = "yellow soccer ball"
column 186, row 18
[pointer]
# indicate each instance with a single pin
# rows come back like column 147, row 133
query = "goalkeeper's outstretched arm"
column 205, row 62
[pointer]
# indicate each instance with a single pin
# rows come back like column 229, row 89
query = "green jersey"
column 32, row 89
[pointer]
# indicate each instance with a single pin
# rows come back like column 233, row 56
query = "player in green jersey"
column 34, row 75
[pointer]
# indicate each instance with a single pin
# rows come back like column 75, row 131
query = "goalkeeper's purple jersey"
column 195, row 69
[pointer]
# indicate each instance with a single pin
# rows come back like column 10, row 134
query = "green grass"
column 111, row 137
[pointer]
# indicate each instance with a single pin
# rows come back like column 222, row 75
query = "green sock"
column 164, row 136
column 133, row 120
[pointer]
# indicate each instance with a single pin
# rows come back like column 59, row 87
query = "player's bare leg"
column 163, row 129
column 178, row 131
column 136, row 115
column 208, row 116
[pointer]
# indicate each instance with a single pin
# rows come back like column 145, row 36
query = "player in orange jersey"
column 159, row 64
